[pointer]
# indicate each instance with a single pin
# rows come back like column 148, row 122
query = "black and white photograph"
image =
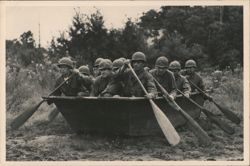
column 117, row 82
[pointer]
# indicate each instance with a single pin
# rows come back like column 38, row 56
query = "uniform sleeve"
column 94, row 91
column 151, row 88
column 58, row 92
column 173, row 91
column 112, row 89
column 186, row 88
column 201, row 84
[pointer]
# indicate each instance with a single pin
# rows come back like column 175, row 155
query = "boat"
column 131, row 116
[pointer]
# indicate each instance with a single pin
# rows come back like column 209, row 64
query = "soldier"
column 181, row 82
column 118, row 63
column 105, row 85
column 164, row 76
column 216, row 78
column 86, row 88
column 96, row 71
column 192, row 76
column 131, row 85
column 75, row 84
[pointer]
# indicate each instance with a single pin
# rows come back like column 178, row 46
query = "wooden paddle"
column 229, row 114
column 221, row 124
column 53, row 114
column 23, row 117
column 194, row 126
column 167, row 128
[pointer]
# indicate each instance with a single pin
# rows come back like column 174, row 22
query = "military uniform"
column 192, row 76
column 166, row 80
column 133, row 88
column 106, row 87
column 73, row 86
column 182, row 84
column 197, row 80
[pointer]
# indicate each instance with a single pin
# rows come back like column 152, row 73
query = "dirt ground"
column 39, row 140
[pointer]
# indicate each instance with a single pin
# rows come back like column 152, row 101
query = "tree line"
column 211, row 35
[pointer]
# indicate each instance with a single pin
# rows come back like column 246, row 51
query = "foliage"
column 215, row 30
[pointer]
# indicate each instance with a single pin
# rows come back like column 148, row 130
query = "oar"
column 53, row 114
column 167, row 128
column 194, row 126
column 221, row 124
column 229, row 114
column 22, row 118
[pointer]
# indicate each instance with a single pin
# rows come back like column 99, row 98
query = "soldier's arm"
column 58, row 92
column 94, row 91
column 173, row 91
column 186, row 88
column 201, row 84
column 151, row 87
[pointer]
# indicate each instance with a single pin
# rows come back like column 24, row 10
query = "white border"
column 245, row 3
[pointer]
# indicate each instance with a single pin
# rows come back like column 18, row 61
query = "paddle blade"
column 53, row 114
column 221, row 124
column 229, row 114
column 22, row 118
column 168, row 129
column 196, row 129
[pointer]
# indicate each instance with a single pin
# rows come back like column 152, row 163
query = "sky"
column 56, row 19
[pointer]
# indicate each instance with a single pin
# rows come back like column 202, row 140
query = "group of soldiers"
column 114, row 79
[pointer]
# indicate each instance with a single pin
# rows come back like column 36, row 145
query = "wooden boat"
column 132, row 116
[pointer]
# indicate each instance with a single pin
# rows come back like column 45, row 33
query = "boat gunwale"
column 108, row 98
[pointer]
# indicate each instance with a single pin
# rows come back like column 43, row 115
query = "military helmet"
column 190, row 63
column 84, row 70
column 138, row 56
column 161, row 62
column 66, row 62
column 97, row 62
column 105, row 64
column 117, row 63
column 175, row 65
column 122, row 58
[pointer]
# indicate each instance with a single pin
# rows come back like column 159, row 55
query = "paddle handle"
column 138, row 80
column 59, row 86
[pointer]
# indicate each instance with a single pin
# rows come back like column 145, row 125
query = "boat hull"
column 121, row 116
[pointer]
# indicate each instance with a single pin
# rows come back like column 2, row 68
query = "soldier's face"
column 138, row 65
column 190, row 70
column 161, row 70
column 64, row 70
column 96, row 71
column 176, row 72
column 115, row 70
column 106, row 73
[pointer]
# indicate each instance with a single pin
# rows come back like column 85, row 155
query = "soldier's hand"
column 171, row 97
column 76, row 71
column 150, row 95
column 127, row 61
column 187, row 95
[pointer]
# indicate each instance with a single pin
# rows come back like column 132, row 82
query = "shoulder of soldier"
column 197, row 75
column 183, row 78
column 152, row 71
column 98, row 79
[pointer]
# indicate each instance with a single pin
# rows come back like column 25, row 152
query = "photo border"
column 5, row 4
